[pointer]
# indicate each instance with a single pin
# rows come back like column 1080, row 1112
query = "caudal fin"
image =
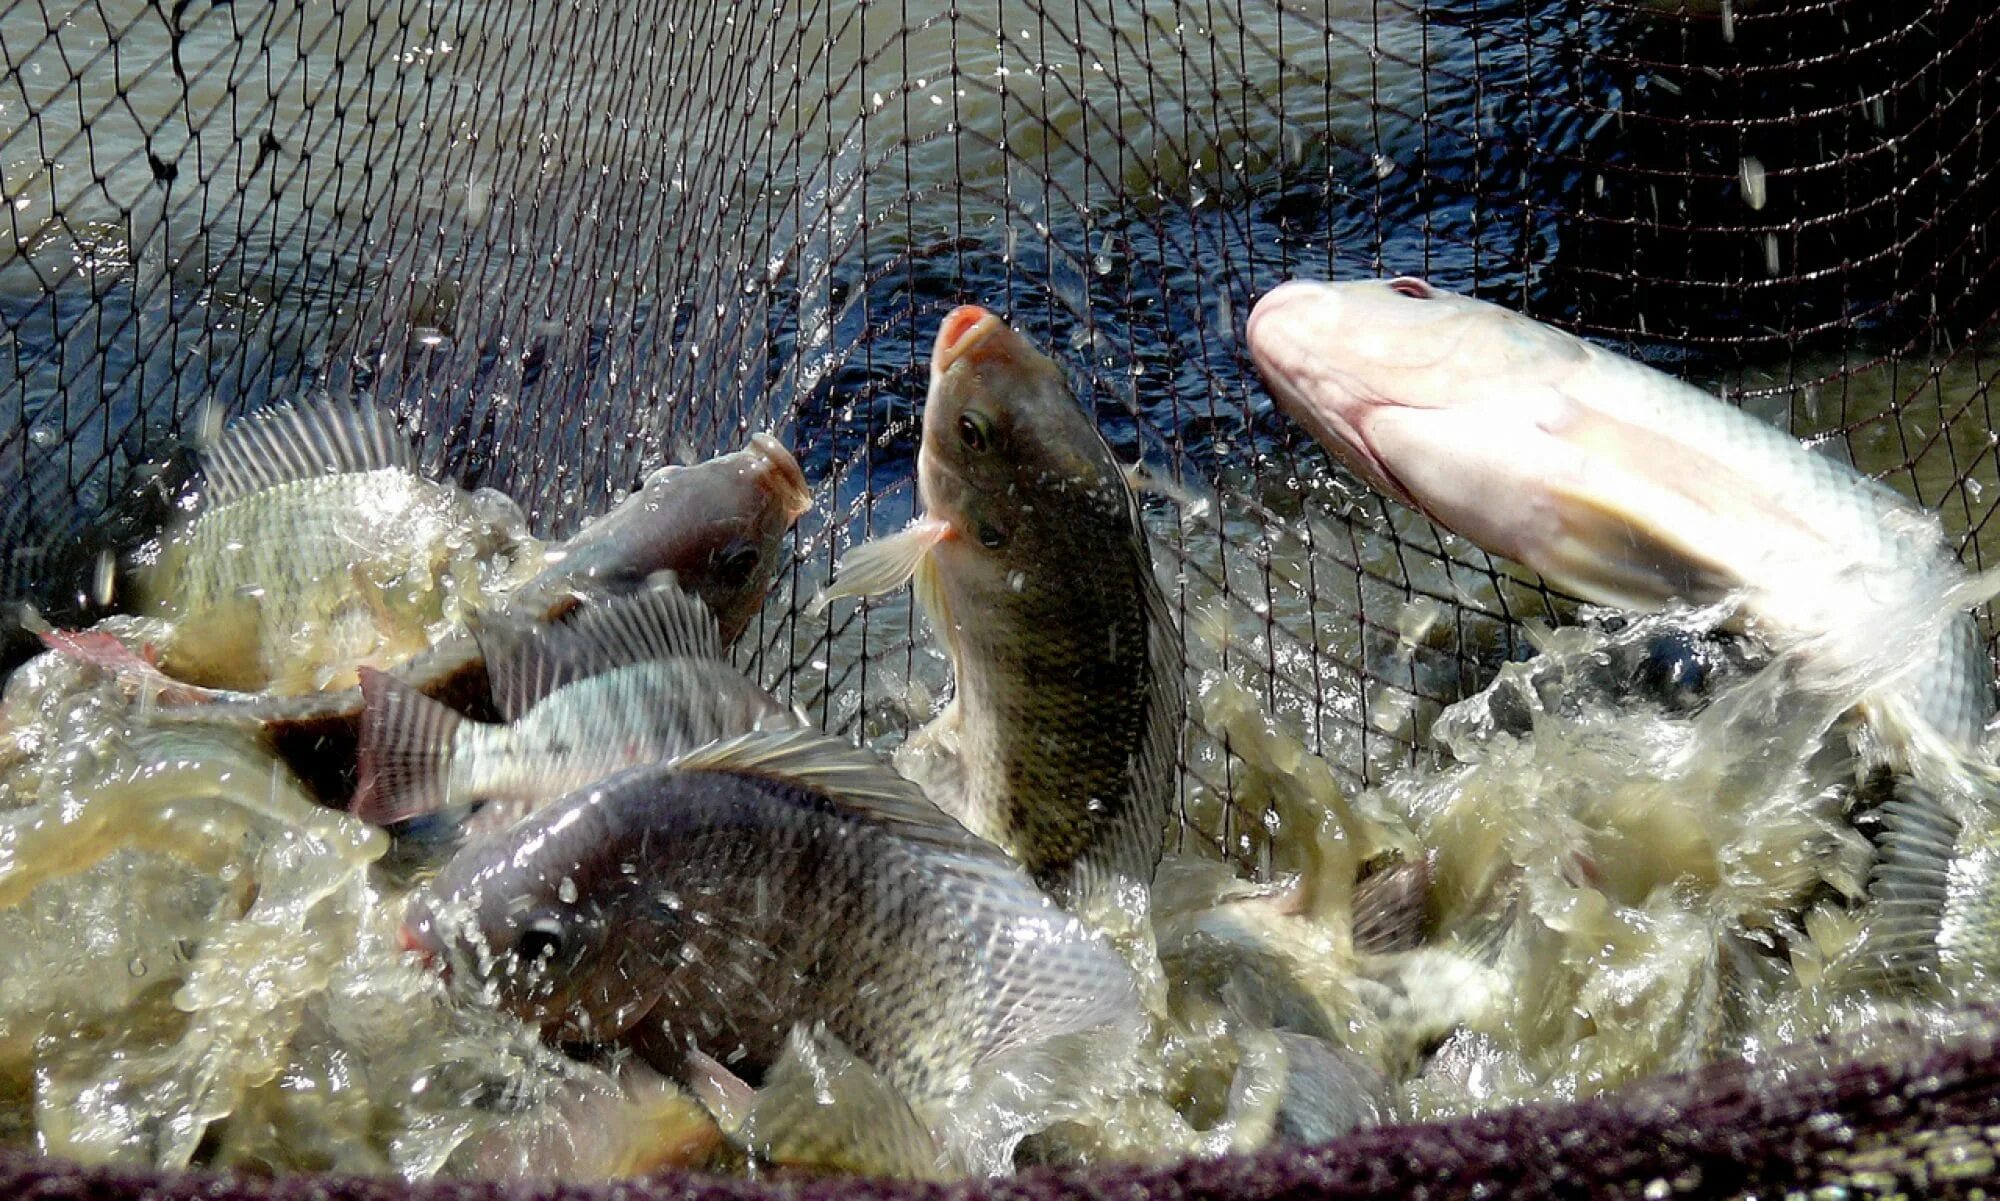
column 404, row 760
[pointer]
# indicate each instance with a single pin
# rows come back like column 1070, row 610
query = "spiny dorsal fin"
column 528, row 663
column 856, row 780
column 290, row 442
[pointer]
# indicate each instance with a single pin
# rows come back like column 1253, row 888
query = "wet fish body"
column 318, row 546
column 713, row 904
column 1620, row 483
column 1062, row 739
column 623, row 682
column 1630, row 488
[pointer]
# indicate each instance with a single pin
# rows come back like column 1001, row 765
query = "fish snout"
column 964, row 328
column 782, row 476
column 410, row 942
column 1288, row 295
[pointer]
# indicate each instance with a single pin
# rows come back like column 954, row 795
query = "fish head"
column 1005, row 437
column 720, row 526
column 1344, row 360
column 1497, row 427
column 532, row 922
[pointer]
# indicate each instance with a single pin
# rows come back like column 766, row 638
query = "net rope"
column 569, row 242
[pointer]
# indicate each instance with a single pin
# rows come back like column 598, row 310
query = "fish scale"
column 318, row 573
column 776, row 879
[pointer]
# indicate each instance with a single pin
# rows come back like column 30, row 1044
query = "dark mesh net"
column 568, row 242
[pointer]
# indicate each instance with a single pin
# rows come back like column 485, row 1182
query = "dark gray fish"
column 714, row 903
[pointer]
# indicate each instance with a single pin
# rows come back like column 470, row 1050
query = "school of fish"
column 585, row 900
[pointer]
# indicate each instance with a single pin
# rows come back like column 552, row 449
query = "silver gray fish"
column 714, row 903
column 623, row 682
column 1062, row 740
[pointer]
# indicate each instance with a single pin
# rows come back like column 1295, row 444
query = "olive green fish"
column 317, row 547
column 1062, row 739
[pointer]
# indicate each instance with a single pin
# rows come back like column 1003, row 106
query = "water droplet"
column 1750, row 173
column 567, row 891
column 137, row 966
column 45, row 435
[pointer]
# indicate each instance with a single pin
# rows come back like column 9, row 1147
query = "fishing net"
column 569, row 242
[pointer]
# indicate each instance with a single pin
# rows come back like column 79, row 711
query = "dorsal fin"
column 527, row 663
column 855, row 779
column 289, row 442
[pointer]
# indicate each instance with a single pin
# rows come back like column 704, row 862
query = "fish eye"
column 974, row 431
column 990, row 537
column 541, row 941
column 734, row 565
column 1415, row 289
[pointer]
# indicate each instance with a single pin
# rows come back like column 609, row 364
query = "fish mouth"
column 1331, row 406
column 785, row 478
column 965, row 329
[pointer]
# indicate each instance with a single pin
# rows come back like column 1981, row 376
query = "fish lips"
column 1315, row 394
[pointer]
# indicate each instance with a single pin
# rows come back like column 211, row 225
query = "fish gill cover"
column 567, row 243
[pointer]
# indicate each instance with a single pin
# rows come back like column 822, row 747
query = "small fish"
column 1630, row 488
column 1030, row 560
column 719, row 526
column 713, row 903
column 317, row 547
column 627, row 681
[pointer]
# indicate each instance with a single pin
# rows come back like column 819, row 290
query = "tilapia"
column 317, row 546
column 1062, row 739
column 1627, row 487
column 623, row 682
column 714, row 903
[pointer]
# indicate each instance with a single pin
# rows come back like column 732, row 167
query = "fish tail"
column 404, row 759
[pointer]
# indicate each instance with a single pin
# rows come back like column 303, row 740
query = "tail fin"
column 404, row 759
